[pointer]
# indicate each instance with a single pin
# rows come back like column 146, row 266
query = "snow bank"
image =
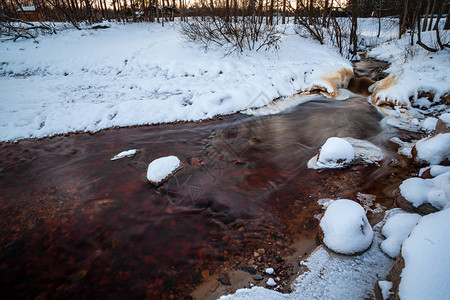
column 410, row 74
column 345, row 227
column 396, row 230
column 434, row 149
column 427, row 259
column 435, row 191
column 123, row 154
column 143, row 73
column 160, row 169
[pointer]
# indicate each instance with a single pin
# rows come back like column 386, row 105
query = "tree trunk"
column 380, row 4
column 425, row 19
column 403, row 21
column 432, row 15
column 353, row 32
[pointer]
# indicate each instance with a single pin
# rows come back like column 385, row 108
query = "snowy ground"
column 141, row 74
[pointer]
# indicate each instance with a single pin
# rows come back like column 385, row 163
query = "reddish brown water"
column 75, row 224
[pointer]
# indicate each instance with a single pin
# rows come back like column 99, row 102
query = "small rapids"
column 76, row 224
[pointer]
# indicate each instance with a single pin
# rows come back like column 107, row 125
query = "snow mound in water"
column 435, row 149
column 345, row 227
column 396, row 230
column 162, row 168
column 435, row 191
column 335, row 153
column 123, row 154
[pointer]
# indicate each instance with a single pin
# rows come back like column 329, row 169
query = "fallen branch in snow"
column 17, row 28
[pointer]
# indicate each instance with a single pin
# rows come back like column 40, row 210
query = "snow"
column 405, row 147
column 385, row 287
column 445, row 117
column 340, row 152
column 331, row 276
column 396, row 230
column 345, row 227
column 335, row 153
column 270, row 271
column 427, row 259
column 27, row 8
column 413, row 69
column 435, row 191
column 435, row 170
column 123, row 154
column 142, row 73
column 161, row 168
column 429, row 124
column 271, row 282
column 434, row 149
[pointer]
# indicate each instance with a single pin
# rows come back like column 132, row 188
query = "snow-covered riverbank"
column 142, row 74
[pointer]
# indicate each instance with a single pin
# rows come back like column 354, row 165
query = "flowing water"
column 75, row 224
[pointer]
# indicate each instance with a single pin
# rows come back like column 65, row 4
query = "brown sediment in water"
column 76, row 224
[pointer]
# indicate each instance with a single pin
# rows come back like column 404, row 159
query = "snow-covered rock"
column 396, row 230
column 270, row 271
column 434, row 149
column 123, row 154
column 435, row 191
column 426, row 255
column 429, row 124
column 162, row 168
column 434, row 170
column 345, row 227
column 271, row 282
column 335, row 153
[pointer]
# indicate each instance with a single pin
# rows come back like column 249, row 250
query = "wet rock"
column 218, row 207
column 249, row 270
column 407, row 206
column 197, row 162
column 445, row 99
column 225, row 280
column 258, row 277
column 205, row 274
column 214, row 286
column 441, row 127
